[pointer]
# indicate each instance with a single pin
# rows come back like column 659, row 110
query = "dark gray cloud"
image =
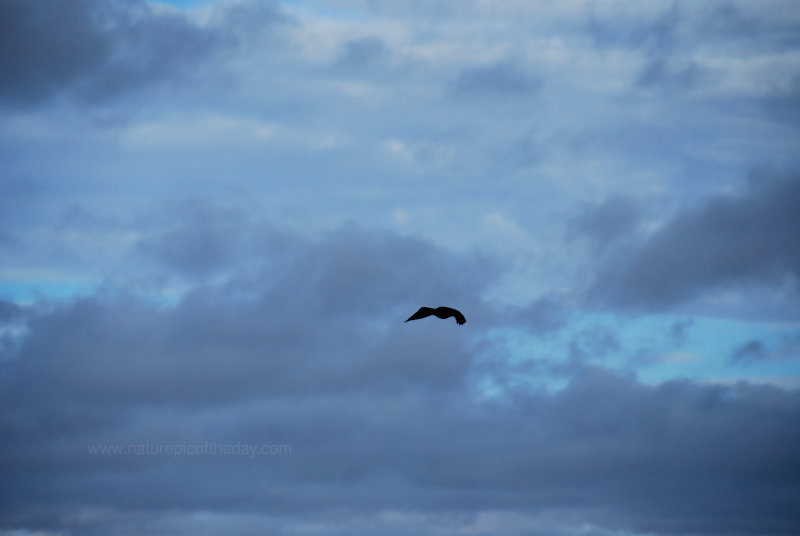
column 67, row 44
column 785, row 106
column 99, row 49
column 680, row 331
column 364, row 53
column 9, row 311
column 606, row 222
column 749, row 351
column 730, row 240
column 592, row 343
column 305, row 346
column 657, row 35
column 660, row 460
column 497, row 79
column 668, row 40
column 199, row 238
column 13, row 319
column 18, row 195
column 292, row 307
column 783, row 348
column 662, row 74
column 543, row 315
column 726, row 20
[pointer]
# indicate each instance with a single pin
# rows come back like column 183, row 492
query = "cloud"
column 606, row 450
column 659, row 73
column 99, row 50
column 9, row 311
column 361, row 54
column 35, row 68
column 783, row 348
column 302, row 344
column 784, row 105
column 680, row 44
column 198, row 239
column 727, row 241
column 542, row 315
column 655, row 32
column 749, row 351
column 282, row 305
column 606, row 222
column 660, row 39
column 258, row 318
column 680, row 331
column 498, row 79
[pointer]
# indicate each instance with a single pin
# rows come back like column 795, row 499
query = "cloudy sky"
column 215, row 217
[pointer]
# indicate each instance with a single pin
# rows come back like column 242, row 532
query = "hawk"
column 439, row 312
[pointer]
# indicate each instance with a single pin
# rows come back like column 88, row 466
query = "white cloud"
column 198, row 131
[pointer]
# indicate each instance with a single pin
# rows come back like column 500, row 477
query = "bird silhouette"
column 439, row 312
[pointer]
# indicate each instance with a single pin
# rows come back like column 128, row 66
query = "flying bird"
column 440, row 312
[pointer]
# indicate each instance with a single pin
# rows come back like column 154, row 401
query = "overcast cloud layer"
column 216, row 216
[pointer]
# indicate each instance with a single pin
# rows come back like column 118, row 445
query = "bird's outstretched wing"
column 422, row 313
column 449, row 311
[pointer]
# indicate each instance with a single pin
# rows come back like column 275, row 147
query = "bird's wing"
column 422, row 313
column 454, row 312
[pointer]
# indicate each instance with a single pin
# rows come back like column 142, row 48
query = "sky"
column 216, row 215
